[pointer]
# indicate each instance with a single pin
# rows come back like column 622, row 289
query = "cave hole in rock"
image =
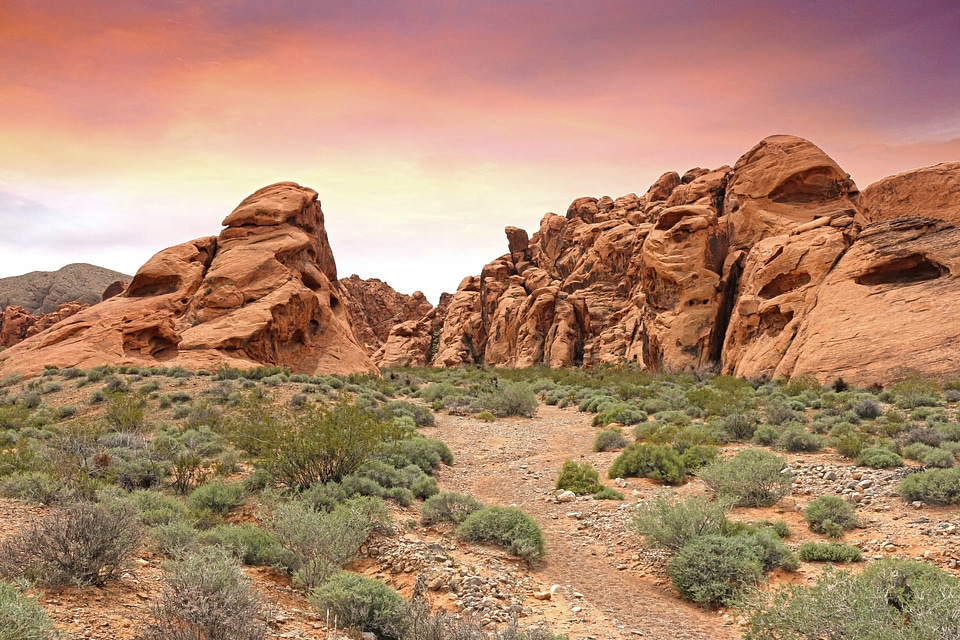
column 784, row 282
column 913, row 268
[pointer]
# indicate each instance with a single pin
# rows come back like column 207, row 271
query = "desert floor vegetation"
column 292, row 475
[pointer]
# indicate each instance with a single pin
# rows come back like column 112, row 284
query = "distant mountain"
column 42, row 292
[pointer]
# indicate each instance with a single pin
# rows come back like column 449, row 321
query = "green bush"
column 36, row 487
column 889, row 600
column 486, row 416
column 607, row 493
column 934, row 486
column 771, row 550
column 661, row 462
column 448, row 506
column 125, row 412
column 320, row 543
column 80, row 543
column 324, row 444
column 510, row 399
column 609, row 440
column 670, row 524
column 752, row 478
column 217, row 497
column 797, row 439
column 156, row 508
column 741, row 426
column 831, row 516
column 829, row 552
column 508, row 527
column 620, row 413
column 715, row 570
column 363, row 603
column 248, row 542
column 207, row 597
column 879, row 458
column 578, row 478
column 22, row 617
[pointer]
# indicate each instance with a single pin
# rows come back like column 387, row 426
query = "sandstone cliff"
column 777, row 266
column 263, row 291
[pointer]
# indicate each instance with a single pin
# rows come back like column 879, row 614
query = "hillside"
column 43, row 291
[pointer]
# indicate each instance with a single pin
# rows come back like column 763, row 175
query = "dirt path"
column 590, row 555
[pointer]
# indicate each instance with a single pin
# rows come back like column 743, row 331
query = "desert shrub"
column 579, row 478
column 486, row 416
column 934, row 486
column 607, row 493
column 21, row 616
column 79, row 543
column 752, row 478
column 847, row 440
column 924, row 435
column 29, row 399
column 156, row 508
column 140, row 473
column 217, row 497
column 670, row 524
column 175, row 538
column 319, row 543
column 867, row 408
column 829, row 552
column 324, row 444
column 766, row 435
column 661, row 462
column 915, row 391
column 697, row 456
column 936, row 457
column 879, row 458
column 741, row 426
column 207, row 597
column 609, row 440
column 426, row 453
column 780, row 413
column 830, row 515
column 437, row 391
column 798, row 439
column 889, row 600
column 622, row 413
column 448, row 506
column 248, row 542
column 508, row 527
column 510, row 399
column 771, row 550
column 422, row 416
column 362, row 603
column 34, row 486
column 715, row 570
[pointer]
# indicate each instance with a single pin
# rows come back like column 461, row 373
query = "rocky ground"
column 598, row 581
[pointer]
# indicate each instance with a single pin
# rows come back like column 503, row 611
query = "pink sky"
column 426, row 127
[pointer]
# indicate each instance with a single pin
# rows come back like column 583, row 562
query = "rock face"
column 41, row 292
column 263, row 291
column 375, row 308
column 17, row 324
column 759, row 270
column 932, row 192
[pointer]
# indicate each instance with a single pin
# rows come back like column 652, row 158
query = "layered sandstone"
column 263, row 291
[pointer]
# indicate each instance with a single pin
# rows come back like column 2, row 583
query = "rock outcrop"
column 263, row 291
column 17, row 324
column 375, row 308
column 747, row 269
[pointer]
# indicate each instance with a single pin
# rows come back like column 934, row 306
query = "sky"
column 428, row 126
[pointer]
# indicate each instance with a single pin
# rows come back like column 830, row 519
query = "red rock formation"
column 931, row 192
column 375, row 308
column 17, row 324
column 263, row 291
column 744, row 268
